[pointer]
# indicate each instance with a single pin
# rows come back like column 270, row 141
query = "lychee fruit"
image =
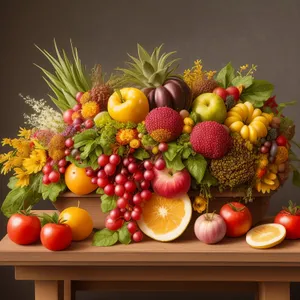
column 164, row 124
column 210, row 139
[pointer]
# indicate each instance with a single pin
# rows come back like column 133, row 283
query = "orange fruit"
column 77, row 181
column 79, row 220
column 164, row 219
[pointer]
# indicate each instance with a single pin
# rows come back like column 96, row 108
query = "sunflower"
column 5, row 156
column 25, row 133
column 23, row 177
column 35, row 162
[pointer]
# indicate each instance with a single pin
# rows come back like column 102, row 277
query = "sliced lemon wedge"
column 266, row 236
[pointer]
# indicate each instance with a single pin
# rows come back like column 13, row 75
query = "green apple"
column 210, row 107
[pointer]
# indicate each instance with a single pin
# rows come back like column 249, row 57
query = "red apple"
column 233, row 91
column 221, row 92
column 68, row 116
column 78, row 96
column 171, row 184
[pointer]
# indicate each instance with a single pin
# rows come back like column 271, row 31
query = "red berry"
column 132, row 227
column 122, row 202
column 138, row 209
column 78, row 96
column 89, row 172
column 137, row 236
column 62, row 163
column 77, row 107
column 67, row 152
column 102, row 183
column 77, row 121
column 148, row 165
column 89, row 124
column 281, row 140
column 233, row 91
column 221, row 92
column 264, row 149
column 132, row 167
column 149, row 175
column 94, row 180
column 145, row 184
column 126, row 161
column 47, row 169
column 163, row 147
column 77, row 157
column 135, row 215
column 268, row 144
column 54, row 176
column 101, row 174
column 124, row 172
column 113, row 224
column 160, row 164
column 62, row 170
column 127, row 196
column 114, row 159
column 120, row 179
column 127, row 215
column 130, row 186
column 67, row 116
column 77, row 127
column 137, row 199
column 146, row 195
column 110, row 169
column 69, row 143
column 109, row 189
column 103, row 160
column 119, row 190
column 138, row 176
column 115, row 213
column 46, row 179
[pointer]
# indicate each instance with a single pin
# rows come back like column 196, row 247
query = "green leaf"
column 208, row 179
column 246, row 81
column 143, row 54
column 88, row 148
column 147, row 69
column 121, row 150
column 83, row 164
column 173, row 151
column 194, row 116
column 12, row 182
column 141, row 154
column 105, row 238
column 99, row 191
column 148, row 141
column 98, row 150
column 226, row 75
column 259, row 92
column 124, row 235
column 70, row 99
column 108, row 203
column 86, row 136
column 176, row 164
column 46, row 219
column 196, row 166
column 93, row 160
column 52, row 191
column 187, row 151
column 296, row 178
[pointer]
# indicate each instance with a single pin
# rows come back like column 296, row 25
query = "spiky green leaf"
column 163, row 59
column 71, row 100
column 148, row 70
column 143, row 54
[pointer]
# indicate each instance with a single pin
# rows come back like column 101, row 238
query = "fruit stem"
column 235, row 208
column 120, row 95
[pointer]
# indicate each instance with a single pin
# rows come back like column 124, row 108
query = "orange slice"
column 165, row 219
column 266, row 236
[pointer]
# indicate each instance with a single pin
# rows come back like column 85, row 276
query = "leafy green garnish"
column 52, row 191
column 124, row 235
column 108, row 203
column 226, row 75
column 196, row 166
column 141, row 154
column 105, row 238
column 148, row 141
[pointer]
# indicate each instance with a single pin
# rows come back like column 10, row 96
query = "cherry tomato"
column 23, row 230
column 290, row 219
column 56, row 237
column 237, row 217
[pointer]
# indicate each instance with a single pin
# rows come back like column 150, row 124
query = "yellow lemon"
column 266, row 235
column 165, row 219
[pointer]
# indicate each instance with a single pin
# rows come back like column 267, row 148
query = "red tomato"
column 56, row 237
column 233, row 91
column 290, row 222
column 23, row 230
column 237, row 217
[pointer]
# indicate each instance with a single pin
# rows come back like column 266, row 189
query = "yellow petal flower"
column 6, row 141
column 6, row 156
column 35, row 162
column 23, row 132
column 200, row 204
column 23, row 177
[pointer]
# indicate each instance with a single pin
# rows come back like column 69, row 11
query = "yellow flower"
column 210, row 74
column 124, row 136
column 6, row 156
column 23, row 149
column 25, row 133
column 22, row 176
column 16, row 161
column 35, row 162
column 6, row 141
column 244, row 67
column 200, row 204
column 90, row 110
column 135, row 143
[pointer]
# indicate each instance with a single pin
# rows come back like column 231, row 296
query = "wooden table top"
column 185, row 251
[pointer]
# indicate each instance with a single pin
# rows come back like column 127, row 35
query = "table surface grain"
column 186, row 250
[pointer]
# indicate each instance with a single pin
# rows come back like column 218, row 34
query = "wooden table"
column 185, row 264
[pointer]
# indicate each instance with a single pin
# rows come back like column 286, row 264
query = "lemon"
column 266, row 235
column 165, row 219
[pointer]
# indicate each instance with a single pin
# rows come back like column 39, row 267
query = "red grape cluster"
column 130, row 181
column 52, row 171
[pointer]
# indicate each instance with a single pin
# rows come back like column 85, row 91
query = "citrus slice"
column 165, row 219
column 266, row 235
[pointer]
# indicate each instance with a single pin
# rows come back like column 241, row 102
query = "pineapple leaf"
column 153, row 60
column 76, row 79
column 156, row 79
column 169, row 64
column 158, row 52
column 62, row 63
column 163, row 59
column 51, row 59
column 130, row 74
column 52, row 77
column 67, row 62
column 148, row 70
column 71, row 100
column 143, row 54
column 61, row 105
column 137, row 62
column 134, row 68
column 56, row 91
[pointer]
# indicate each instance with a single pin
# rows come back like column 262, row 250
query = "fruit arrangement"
column 144, row 139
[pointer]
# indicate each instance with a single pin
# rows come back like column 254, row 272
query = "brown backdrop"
column 265, row 33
